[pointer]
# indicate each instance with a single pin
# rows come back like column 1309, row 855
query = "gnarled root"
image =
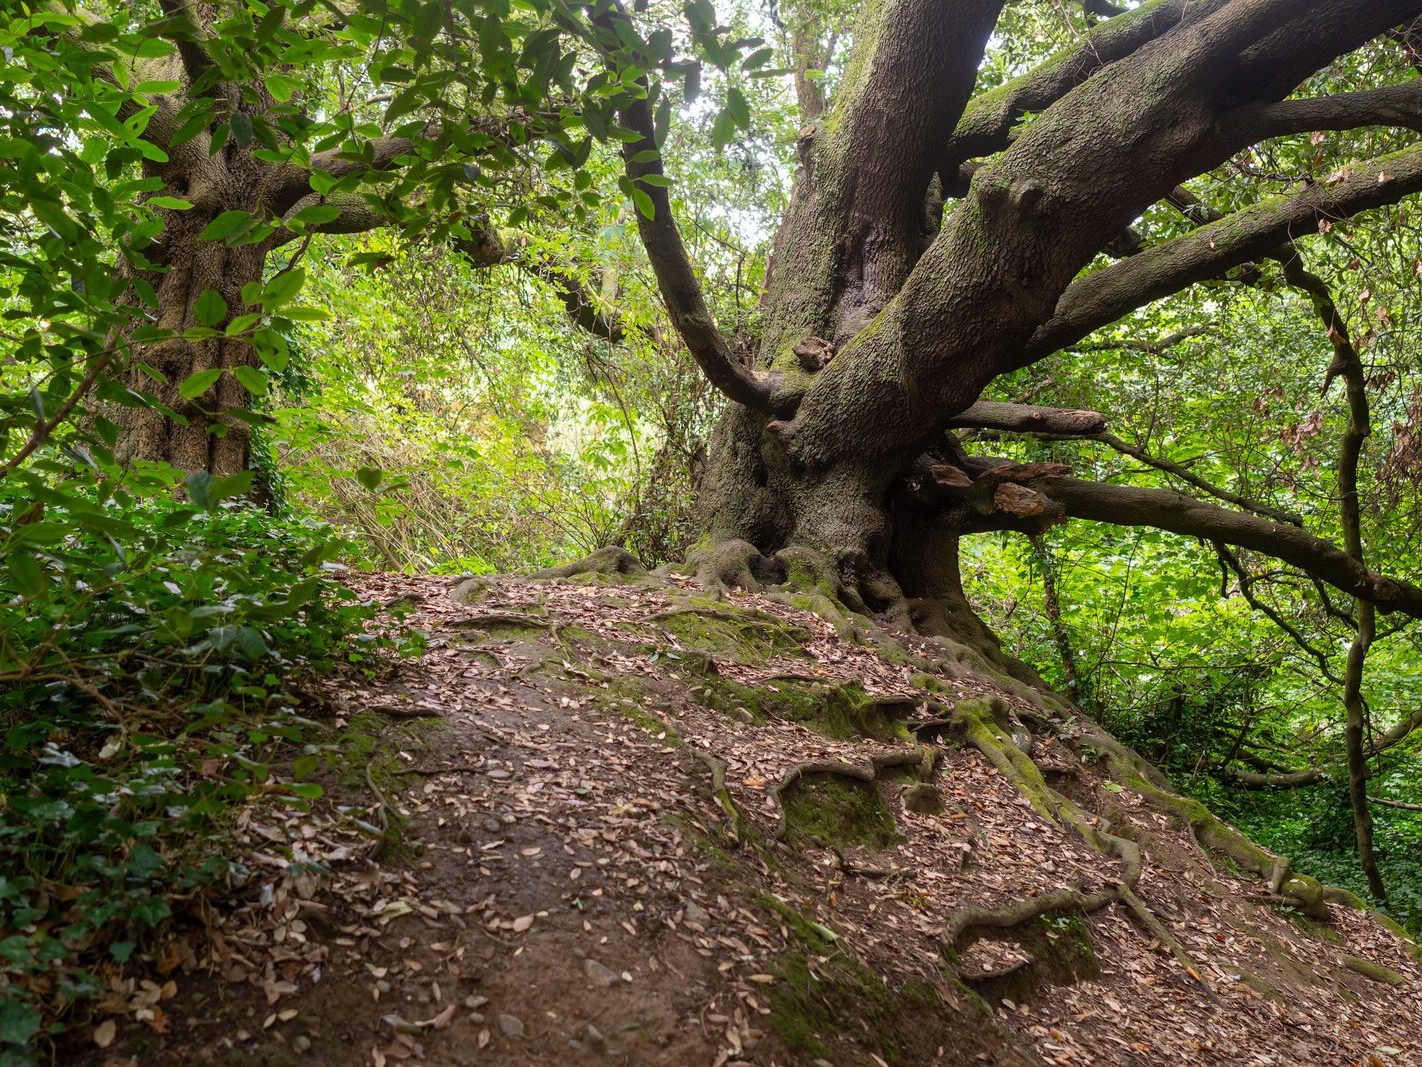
column 608, row 560
column 1127, row 768
column 980, row 726
column 733, row 564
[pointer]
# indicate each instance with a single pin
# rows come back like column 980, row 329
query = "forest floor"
column 622, row 823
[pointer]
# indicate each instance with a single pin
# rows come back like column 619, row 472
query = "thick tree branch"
column 1392, row 105
column 987, row 123
column 1100, row 298
column 1029, row 418
column 1103, row 9
column 1167, row 510
column 676, row 277
column 180, row 27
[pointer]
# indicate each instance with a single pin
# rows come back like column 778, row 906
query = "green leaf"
column 237, row 484
column 199, row 484
column 281, row 87
column 241, row 126
column 27, row 573
column 738, row 108
column 644, row 203
column 209, row 308
column 370, row 477
column 242, row 323
column 283, row 287
column 316, row 215
column 225, row 225
column 199, row 382
column 757, row 59
column 172, row 203
column 251, row 379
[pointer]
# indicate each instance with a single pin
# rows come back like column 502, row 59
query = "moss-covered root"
column 607, row 561
column 723, row 565
column 978, row 721
column 1127, row 768
column 722, row 795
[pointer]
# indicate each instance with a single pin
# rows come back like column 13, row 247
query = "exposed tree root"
column 607, row 560
column 1148, row 919
column 733, row 564
column 722, row 794
column 981, row 728
column 1213, row 833
column 1021, row 912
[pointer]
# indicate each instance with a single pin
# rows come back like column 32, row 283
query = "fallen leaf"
column 105, row 1032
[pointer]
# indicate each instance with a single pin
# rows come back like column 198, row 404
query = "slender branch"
column 1246, row 588
column 1348, row 365
column 1168, row 510
column 1396, row 804
column 1284, row 778
column 1186, row 475
column 579, row 303
column 40, row 434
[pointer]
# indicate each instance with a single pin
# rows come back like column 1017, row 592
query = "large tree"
column 939, row 238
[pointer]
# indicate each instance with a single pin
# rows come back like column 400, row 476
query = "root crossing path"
column 606, row 819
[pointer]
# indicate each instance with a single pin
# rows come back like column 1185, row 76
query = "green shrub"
column 149, row 650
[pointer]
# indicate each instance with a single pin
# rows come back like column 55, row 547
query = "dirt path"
column 560, row 881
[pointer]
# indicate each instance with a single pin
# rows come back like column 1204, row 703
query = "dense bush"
column 149, row 651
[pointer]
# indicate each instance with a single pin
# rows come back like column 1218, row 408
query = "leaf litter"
column 559, row 881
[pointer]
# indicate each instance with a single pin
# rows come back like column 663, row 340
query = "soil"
column 525, row 855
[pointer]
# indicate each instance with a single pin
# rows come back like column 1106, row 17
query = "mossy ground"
column 834, row 811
